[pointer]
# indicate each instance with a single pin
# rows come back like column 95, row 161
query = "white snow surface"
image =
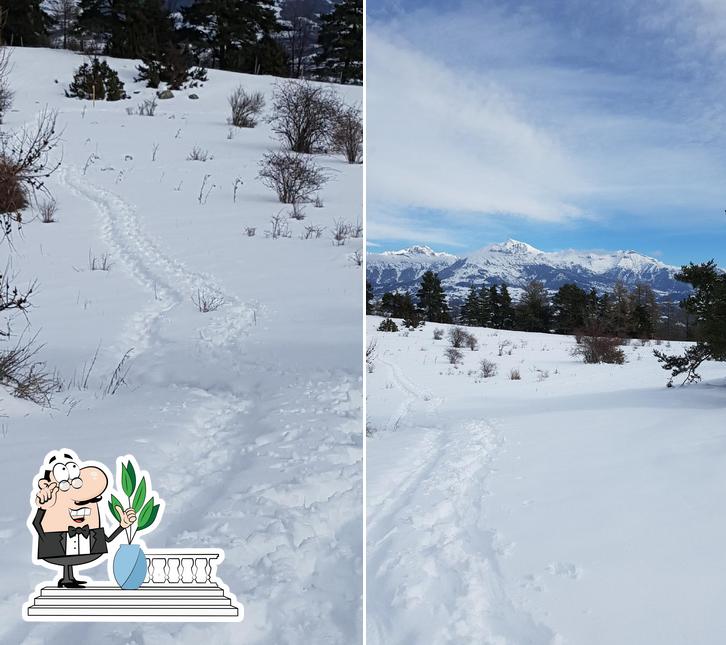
column 248, row 418
column 582, row 504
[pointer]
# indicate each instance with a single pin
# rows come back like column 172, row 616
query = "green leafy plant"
column 146, row 510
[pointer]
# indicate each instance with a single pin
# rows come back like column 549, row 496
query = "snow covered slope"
column 517, row 263
column 248, row 417
column 582, row 504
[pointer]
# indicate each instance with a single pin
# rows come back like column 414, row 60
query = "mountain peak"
column 414, row 250
column 514, row 246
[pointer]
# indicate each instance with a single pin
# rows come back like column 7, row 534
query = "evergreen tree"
column 645, row 312
column 569, row 308
column 471, row 309
column 64, row 16
column 707, row 304
column 369, row 299
column 234, row 31
column 505, row 309
column 432, row 300
column 341, row 43
column 25, row 23
column 533, row 310
column 618, row 316
column 127, row 28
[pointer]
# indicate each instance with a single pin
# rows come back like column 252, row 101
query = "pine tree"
column 341, row 43
column 232, row 29
column 370, row 309
column 127, row 28
column 25, row 23
column 569, row 308
column 533, row 310
column 645, row 312
column 432, row 300
column 505, row 310
column 618, row 316
column 707, row 304
column 470, row 313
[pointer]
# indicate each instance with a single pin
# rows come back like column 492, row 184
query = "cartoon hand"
column 47, row 494
column 128, row 517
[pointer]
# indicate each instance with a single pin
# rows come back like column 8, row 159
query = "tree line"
column 621, row 313
column 241, row 35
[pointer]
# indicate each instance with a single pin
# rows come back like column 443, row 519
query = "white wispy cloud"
column 487, row 110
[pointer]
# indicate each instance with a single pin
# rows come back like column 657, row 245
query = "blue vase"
column 129, row 566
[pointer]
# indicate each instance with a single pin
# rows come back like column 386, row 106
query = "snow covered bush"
column 487, row 368
column 388, row 325
column 245, row 108
column 346, row 134
column 514, row 375
column 303, row 114
column 206, row 301
column 98, row 81
column 459, row 338
column 294, row 177
column 148, row 107
column 453, row 355
column 438, row 333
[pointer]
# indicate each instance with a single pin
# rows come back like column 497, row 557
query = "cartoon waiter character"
column 67, row 520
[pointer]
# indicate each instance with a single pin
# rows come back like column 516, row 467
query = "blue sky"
column 562, row 123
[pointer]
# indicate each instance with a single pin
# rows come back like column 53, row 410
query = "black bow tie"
column 83, row 530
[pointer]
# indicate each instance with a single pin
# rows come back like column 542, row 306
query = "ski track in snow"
column 143, row 258
column 282, row 536
column 428, row 540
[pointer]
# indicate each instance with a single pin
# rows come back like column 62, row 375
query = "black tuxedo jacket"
column 52, row 544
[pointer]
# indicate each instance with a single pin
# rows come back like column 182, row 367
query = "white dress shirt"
column 78, row 544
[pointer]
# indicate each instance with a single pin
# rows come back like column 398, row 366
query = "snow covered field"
column 248, row 417
column 582, row 504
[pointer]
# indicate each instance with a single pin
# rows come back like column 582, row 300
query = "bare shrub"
column 453, row 355
column 302, row 114
column 371, row 356
column 26, row 376
column 294, row 177
column 357, row 258
column 199, row 154
column 342, row 230
column 6, row 94
column 514, row 375
column 487, row 368
column 118, row 376
column 503, row 345
column 459, row 337
column 250, row 231
column 438, row 333
column 147, row 108
column 206, row 300
column 313, row 232
column 25, row 165
column 278, row 227
column 297, row 212
column 102, row 263
column 388, row 325
column 317, row 202
column 599, row 349
column 245, row 108
column 346, row 136
column 47, row 210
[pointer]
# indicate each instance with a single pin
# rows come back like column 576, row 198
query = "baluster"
column 172, row 564
column 149, row 571
column 187, row 573
column 159, row 574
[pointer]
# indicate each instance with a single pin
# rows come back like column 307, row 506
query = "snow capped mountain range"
column 516, row 264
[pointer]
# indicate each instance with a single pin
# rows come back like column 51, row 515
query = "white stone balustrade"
column 181, row 567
